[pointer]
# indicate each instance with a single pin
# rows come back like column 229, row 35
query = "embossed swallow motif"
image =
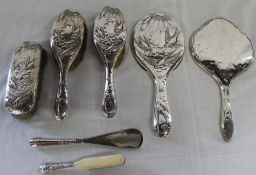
column 158, row 46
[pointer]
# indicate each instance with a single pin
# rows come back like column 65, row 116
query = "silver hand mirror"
column 158, row 46
column 67, row 39
column 109, row 34
column 224, row 52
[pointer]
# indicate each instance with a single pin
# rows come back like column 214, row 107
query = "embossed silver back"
column 67, row 39
column 23, row 79
column 158, row 46
column 109, row 35
column 224, row 52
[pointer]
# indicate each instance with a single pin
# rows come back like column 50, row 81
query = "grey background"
column 195, row 146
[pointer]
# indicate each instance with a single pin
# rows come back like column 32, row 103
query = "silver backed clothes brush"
column 129, row 138
column 88, row 163
column 23, row 84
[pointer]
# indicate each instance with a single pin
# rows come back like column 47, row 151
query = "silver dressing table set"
column 218, row 47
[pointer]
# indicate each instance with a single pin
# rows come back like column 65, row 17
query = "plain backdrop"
column 195, row 146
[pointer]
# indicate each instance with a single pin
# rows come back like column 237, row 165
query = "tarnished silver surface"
column 224, row 52
column 158, row 46
column 109, row 35
column 23, row 79
column 129, row 138
column 67, row 37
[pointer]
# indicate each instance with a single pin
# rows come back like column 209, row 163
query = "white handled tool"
column 88, row 163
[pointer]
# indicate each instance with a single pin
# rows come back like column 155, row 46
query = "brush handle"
column 109, row 104
column 61, row 101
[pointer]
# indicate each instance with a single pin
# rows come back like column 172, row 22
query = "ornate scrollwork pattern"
column 158, row 47
column 110, row 30
column 67, row 35
column 109, row 34
column 23, row 78
column 158, row 41
column 49, row 167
